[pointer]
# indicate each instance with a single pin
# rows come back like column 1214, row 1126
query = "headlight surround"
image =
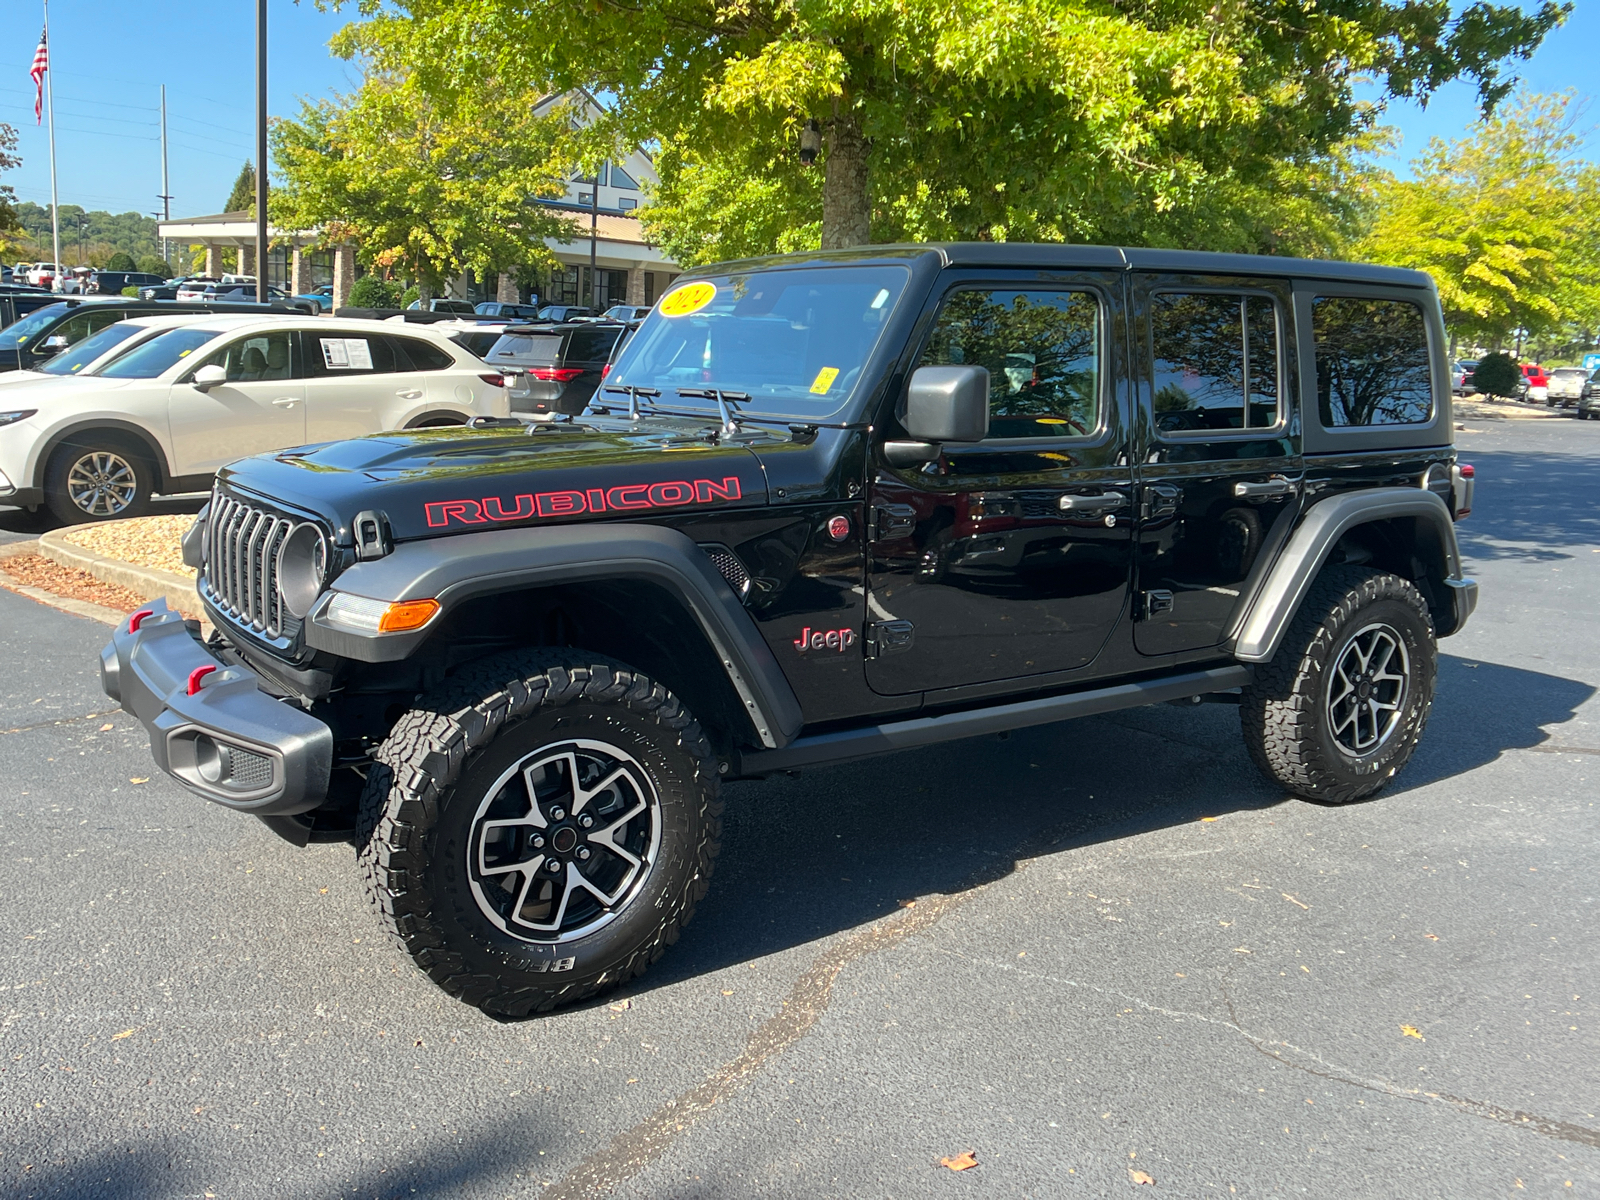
column 302, row 568
column 11, row 418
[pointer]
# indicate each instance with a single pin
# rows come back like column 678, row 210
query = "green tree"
column 121, row 261
column 1181, row 124
column 10, row 219
column 425, row 187
column 154, row 264
column 1505, row 221
column 1497, row 375
column 243, row 196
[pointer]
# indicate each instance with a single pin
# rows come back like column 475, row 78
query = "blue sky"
column 111, row 56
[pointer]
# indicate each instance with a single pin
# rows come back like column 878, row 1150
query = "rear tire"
column 98, row 477
column 493, row 871
column 1340, row 708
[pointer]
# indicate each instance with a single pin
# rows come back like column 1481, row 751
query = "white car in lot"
column 164, row 413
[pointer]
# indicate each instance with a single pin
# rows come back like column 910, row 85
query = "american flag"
column 41, row 64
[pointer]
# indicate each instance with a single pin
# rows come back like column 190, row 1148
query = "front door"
column 1220, row 468
column 261, row 407
column 1011, row 557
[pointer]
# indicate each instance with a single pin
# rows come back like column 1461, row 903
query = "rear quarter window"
column 421, row 355
column 1372, row 361
column 592, row 345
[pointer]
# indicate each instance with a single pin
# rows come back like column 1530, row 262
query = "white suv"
column 163, row 414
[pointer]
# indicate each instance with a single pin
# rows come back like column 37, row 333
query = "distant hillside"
column 101, row 235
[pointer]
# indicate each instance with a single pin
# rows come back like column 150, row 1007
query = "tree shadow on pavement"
column 1525, row 506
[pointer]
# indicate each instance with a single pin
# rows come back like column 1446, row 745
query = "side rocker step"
column 850, row 744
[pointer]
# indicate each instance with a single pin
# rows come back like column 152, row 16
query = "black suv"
column 824, row 507
column 553, row 369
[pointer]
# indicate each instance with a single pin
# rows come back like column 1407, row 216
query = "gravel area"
column 144, row 541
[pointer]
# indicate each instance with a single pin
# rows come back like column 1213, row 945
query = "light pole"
column 261, row 151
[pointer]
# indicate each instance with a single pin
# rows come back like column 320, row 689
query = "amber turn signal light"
column 407, row 615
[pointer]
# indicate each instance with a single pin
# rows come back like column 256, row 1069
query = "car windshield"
column 157, row 355
column 1567, row 372
column 19, row 332
column 533, row 349
column 76, row 358
column 788, row 342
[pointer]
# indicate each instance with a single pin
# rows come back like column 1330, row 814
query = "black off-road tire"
column 1285, row 711
column 130, row 468
column 438, row 764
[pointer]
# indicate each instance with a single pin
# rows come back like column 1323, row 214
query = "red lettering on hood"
column 673, row 493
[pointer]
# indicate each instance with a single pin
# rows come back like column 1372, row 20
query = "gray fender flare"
column 457, row 568
column 1263, row 625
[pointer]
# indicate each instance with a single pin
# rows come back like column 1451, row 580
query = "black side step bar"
column 850, row 744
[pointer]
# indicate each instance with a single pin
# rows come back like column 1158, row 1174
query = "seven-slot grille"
column 241, row 568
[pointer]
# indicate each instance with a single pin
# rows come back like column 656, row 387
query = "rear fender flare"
column 1263, row 624
column 457, row 568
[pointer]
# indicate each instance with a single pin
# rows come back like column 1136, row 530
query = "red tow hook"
column 138, row 619
column 199, row 674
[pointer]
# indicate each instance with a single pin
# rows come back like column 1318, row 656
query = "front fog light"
column 302, row 566
column 378, row 616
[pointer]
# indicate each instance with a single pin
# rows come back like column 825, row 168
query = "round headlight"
column 302, row 568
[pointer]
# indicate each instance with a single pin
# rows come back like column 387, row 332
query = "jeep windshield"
column 789, row 343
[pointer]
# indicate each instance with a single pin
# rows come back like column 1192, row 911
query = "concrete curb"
column 147, row 582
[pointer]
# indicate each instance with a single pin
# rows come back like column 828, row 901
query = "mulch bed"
column 36, row 571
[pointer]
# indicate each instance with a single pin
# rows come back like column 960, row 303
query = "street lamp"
column 810, row 142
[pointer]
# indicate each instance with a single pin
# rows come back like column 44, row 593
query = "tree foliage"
column 1220, row 125
column 424, row 185
column 121, row 261
column 243, row 196
column 103, row 233
column 370, row 291
column 1497, row 375
column 10, row 219
column 1506, row 221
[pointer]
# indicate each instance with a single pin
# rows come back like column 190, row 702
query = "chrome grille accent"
column 240, row 576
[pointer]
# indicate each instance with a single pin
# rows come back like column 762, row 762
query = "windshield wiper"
column 725, row 402
column 633, row 394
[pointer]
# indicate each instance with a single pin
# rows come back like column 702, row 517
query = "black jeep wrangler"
column 823, row 507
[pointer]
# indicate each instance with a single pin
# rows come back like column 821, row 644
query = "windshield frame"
column 844, row 409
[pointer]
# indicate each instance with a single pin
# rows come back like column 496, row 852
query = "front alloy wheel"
column 1367, row 690
column 562, row 840
column 102, row 484
column 97, row 477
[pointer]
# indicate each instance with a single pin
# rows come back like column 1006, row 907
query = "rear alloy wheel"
column 97, row 480
column 541, row 829
column 1340, row 708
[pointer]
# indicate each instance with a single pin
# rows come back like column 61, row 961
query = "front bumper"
column 211, row 726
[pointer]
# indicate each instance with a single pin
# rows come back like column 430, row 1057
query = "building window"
column 650, row 292
column 626, row 202
column 621, row 179
column 586, row 198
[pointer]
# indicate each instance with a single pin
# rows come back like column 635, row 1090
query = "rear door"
column 1219, row 449
column 1010, row 558
column 352, row 387
column 261, row 407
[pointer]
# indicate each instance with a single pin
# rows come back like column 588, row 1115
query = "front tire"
column 541, row 829
column 98, row 477
column 1341, row 706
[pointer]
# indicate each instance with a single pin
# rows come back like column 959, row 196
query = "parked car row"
column 155, row 400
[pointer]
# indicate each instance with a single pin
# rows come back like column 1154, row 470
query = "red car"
column 1538, row 384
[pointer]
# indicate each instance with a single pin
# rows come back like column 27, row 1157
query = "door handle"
column 1092, row 504
column 1278, row 485
column 409, row 394
column 286, row 402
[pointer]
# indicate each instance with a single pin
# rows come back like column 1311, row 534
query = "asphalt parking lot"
column 1091, row 954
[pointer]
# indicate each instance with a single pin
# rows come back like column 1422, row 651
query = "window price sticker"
column 824, row 380
column 346, row 354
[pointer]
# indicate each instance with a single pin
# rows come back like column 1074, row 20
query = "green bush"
column 154, row 264
column 371, row 292
column 1497, row 375
column 131, row 292
column 410, row 294
column 121, row 261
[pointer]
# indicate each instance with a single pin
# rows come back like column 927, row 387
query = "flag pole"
column 50, row 109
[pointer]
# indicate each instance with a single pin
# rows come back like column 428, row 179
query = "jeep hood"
column 458, row 480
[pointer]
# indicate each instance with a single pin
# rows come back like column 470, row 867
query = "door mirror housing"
column 54, row 345
column 948, row 404
column 208, row 376
column 943, row 404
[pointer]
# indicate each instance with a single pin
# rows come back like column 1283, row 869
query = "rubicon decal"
column 838, row 640
column 626, row 497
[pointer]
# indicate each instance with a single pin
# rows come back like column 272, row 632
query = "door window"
column 342, row 355
column 414, row 354
column 1215, row 362
column 1042, row 350
column 1372, row 362
column 255, row 359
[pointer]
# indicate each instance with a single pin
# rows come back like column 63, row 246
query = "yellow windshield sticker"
column 184, row 353
column 690, row 298
column 1049, row 421
column 824, row 380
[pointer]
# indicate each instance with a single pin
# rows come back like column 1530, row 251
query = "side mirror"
column 54, row 345
column 943, row 404
column 208, row 376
